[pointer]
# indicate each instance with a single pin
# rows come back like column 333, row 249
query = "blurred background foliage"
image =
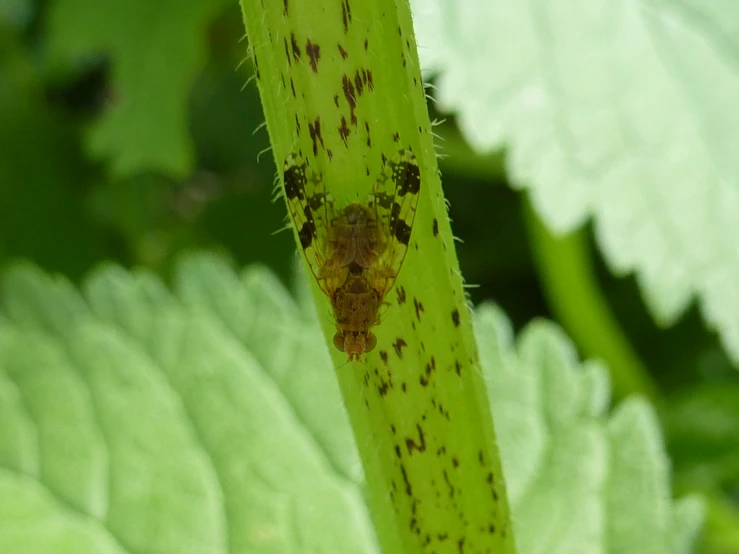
column 136, row 146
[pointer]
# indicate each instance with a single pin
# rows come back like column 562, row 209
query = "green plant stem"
column 341, row 89
column 571, row 288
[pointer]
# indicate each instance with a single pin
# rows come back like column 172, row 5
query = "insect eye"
column 339, row 341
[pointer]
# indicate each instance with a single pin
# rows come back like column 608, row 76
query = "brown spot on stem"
column 314, row 53
column 344, row 130
column 408, row 489
column 296, row 48
column 419, row 308
column 412, row 445
column 400, row 291
column 349, row 94
column 346, row 14
column 455, row 317
column 398, row 346
column 449, row 484
column 431, row 366
column 315, row 134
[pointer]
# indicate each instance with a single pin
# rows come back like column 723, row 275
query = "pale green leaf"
column 208, row 419
column 29, row 510
column 579, row 480
column 140, row 421
column 623, row 112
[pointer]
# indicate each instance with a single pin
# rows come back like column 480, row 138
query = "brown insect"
column 355, row 254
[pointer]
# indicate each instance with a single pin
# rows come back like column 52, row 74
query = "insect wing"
column 395, row 199
column 311, row 212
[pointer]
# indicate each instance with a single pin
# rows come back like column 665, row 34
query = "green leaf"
column 134, row 419
column 144, row 420
column 620, row 112
column 579, row 481
column 33, row 517
column 155, row 49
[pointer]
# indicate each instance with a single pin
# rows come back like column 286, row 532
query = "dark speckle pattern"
column 333, row 94
column 295, row 47
column 455, row 317
column 313, row 51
